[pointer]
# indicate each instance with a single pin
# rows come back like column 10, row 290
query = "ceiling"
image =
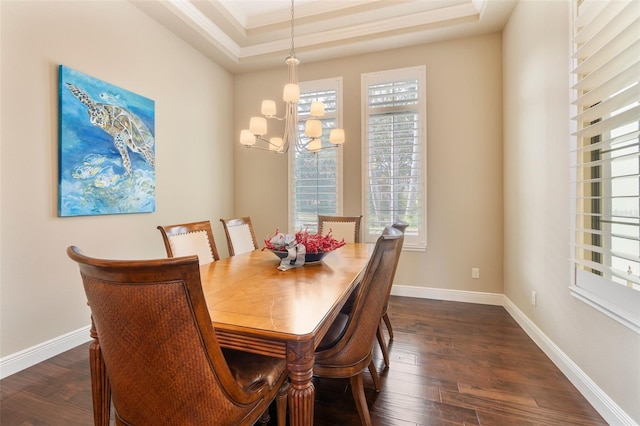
column 245, row 35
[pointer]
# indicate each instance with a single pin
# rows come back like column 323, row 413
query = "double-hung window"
column 316, row 178
column 394, row 153
column 605, row 158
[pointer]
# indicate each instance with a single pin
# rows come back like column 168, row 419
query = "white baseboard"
column 607, row 408
column 602, row 403
column 451, row 295
column 31, row 356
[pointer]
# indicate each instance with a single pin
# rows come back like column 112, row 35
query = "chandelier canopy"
column 257, row 130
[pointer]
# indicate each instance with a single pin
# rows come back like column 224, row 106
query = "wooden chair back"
column 341, row 227
column 162, row 357
column 350, row 352
column 186, row 239
column 355, row 345
column 240, row 235
column 401, row 226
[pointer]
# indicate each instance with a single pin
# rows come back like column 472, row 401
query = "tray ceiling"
column 243, row 35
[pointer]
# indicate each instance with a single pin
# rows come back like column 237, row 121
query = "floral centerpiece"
column 301, row 247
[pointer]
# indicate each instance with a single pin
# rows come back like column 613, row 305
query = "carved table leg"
column 100, row 389
column 300, row 359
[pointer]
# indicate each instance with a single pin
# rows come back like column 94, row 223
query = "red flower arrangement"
column 313, row 243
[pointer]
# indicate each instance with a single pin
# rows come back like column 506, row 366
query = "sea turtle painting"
column 126, row 129
column 107, row 148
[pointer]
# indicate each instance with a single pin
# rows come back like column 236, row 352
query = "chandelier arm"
column 268, row 142
column 305, row 144
column 263, row 149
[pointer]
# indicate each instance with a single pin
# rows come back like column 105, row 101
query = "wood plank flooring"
column 452, row 363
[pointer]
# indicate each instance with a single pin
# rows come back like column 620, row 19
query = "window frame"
column 334, row 83
column 415, row 239
column 612, row 298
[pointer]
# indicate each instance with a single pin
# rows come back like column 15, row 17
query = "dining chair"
column 190, row 238
column 162, row 358
column 240, row 235
column 341, row 227
column 347, row 347
column 401, row 226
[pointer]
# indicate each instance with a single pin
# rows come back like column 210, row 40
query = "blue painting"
column 107, row 148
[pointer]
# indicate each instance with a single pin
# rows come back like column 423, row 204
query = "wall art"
column 106, row 148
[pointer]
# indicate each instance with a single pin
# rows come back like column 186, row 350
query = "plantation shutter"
column 395, row 154
column 316, row 179
column 605, row 153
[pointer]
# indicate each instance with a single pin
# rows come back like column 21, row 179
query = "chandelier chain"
column 292, row 52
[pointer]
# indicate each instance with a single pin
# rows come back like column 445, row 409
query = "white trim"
column 593, row 25
column 451, row 295
column 419, row 73
column 601, row 402
column 628, row 318
column 26, row 358
column 332, row 83
column 237, row 51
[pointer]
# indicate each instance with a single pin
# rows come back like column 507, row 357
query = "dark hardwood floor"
column 451, row 364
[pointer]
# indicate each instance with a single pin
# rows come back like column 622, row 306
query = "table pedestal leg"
column 100, row 389
column 300, row 359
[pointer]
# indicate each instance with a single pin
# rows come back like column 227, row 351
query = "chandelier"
column 291, row 95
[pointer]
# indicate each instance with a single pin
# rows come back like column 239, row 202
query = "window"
column 394, row 153
column 606, row 159
column 316, row 178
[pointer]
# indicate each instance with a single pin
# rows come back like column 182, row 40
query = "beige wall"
column 536, row 204
column 41, row 291
column 469, row 222
column 464, row 149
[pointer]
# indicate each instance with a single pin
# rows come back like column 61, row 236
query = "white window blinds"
column 316, row 177
column 394, row 154
column 605, row 155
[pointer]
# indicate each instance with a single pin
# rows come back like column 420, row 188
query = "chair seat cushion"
column 249, row 369
column 335, row 332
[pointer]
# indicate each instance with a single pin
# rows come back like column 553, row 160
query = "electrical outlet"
column 534, row 298
column 475, row 273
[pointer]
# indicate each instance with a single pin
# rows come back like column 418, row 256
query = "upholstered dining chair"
column 401, row 226
column 190, row 238
column 240, row 235
column 162, row 358
column 341, row 227
column 347, row 348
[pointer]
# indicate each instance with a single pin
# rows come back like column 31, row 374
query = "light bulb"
column 313, row 128
column 317, row 109
column 275, row 144
column 247, row 138
column 336, row 136
column 291, row 92
column 258, row 126
column 314, row 145
column 268, row 108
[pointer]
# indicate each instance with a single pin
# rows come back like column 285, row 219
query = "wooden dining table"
column 257, row 308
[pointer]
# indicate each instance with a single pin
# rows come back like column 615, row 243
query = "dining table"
column 256, row 307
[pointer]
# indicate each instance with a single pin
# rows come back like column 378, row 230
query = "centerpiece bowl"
column 309, row 258
column 317, row 246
